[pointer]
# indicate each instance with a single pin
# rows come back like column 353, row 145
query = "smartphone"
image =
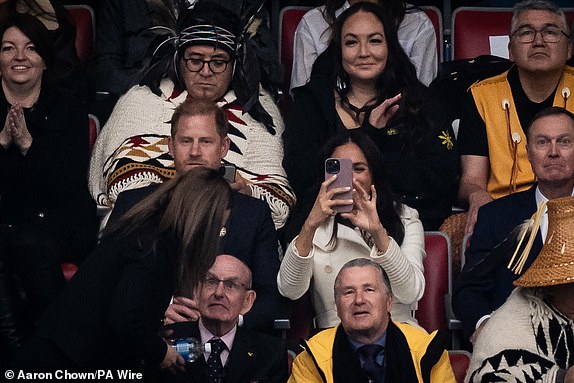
column 343, row 168
column 228, row 172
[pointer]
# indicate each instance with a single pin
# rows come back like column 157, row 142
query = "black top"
column 472, row 138
column 423, row 177
column 50, row 181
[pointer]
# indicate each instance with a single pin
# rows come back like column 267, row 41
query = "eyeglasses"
column 544, row 143
column 549, row 34
column 229, row 285
column 196, row 65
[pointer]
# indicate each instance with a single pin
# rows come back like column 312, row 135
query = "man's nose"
column 205, row 70
column 554, row 150
column 195, row 149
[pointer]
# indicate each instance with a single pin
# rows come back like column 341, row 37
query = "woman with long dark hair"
column 365, row 81
column 415, row 32
column 378, row 228
column 109, row 314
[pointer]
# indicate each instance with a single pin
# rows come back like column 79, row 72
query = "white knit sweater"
column 141, row 112
column 403, row 264
column 516, row 345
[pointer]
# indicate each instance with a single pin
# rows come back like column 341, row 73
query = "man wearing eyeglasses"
column 492, row 135
column 486, row 281
column 236, row 354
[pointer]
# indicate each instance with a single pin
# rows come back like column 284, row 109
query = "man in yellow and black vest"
column 492, row 138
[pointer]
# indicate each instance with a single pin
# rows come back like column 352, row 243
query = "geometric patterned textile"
column 214, row 365
column 138, row 162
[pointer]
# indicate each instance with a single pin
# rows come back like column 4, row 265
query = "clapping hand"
column 382, row 114
column 15, row 131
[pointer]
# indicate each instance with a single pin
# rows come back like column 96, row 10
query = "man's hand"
column 172, row 360
column 182, row 310
column 475, row 201
column 240, row 185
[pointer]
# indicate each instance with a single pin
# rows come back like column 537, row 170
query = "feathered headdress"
column 207, row 23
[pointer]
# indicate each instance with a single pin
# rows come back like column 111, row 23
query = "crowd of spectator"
column 205, row 207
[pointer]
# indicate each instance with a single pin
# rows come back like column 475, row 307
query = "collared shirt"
column 380, row 357
column 228, row 339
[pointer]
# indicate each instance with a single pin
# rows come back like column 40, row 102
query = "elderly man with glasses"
column 492, row 136
column 235, row 353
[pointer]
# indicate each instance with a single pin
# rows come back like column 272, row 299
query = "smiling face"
column 20, row 63
column 206, row 85
column 539, row 56
column 363, row 47
column 363, row 303
column 361, row 171
column 551, row 150
column 220, row 306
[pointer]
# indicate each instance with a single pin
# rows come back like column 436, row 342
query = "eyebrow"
column 217, row 56
column 532, row 26
column 349, row 34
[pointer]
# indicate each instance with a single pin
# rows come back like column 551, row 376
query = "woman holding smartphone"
column 365, row 81
column 378, row 228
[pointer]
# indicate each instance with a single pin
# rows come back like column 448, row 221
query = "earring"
column 341, row 84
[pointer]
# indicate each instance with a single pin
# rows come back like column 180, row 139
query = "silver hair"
column 537, row 5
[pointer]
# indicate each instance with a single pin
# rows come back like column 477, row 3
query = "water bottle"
column 190, row 348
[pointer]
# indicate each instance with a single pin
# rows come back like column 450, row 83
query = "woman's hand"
column 18, row 129
column 382, row 114
column 6, row 134
column 324, row 206
column 366, row 217
column 182, row 310
column 364, row 214
column 321, row 211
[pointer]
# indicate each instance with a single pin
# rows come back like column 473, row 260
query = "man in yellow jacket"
column 492, row 133
column 367, row 346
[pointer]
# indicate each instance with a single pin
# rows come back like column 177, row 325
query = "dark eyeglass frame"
column 210, row 64
column 543, row 33
column 229, row 285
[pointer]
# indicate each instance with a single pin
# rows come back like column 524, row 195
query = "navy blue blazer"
column 254, row 357
column 251, row 237
column 485, row 281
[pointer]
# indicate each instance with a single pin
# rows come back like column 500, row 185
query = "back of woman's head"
column 36, row 32
column 188, row 212
column 395, row 9
column 387, row 208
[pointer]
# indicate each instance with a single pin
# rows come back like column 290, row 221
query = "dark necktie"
column 369, row 353
column 214, row 365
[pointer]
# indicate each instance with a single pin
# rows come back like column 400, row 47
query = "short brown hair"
column 200, row 108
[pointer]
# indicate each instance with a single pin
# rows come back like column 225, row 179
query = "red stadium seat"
column 459, row 361
column 289, row 18
column 472, row 27
column 432, row 307
column 84, row 20
column 435, row 17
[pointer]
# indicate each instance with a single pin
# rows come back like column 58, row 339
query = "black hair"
column 36, row 32
column 399, row 76
column 387, row 208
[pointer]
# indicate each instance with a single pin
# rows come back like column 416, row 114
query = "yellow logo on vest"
column 446, row 139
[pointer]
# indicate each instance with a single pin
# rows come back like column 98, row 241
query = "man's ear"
column 248, row 301
column 225, row 144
